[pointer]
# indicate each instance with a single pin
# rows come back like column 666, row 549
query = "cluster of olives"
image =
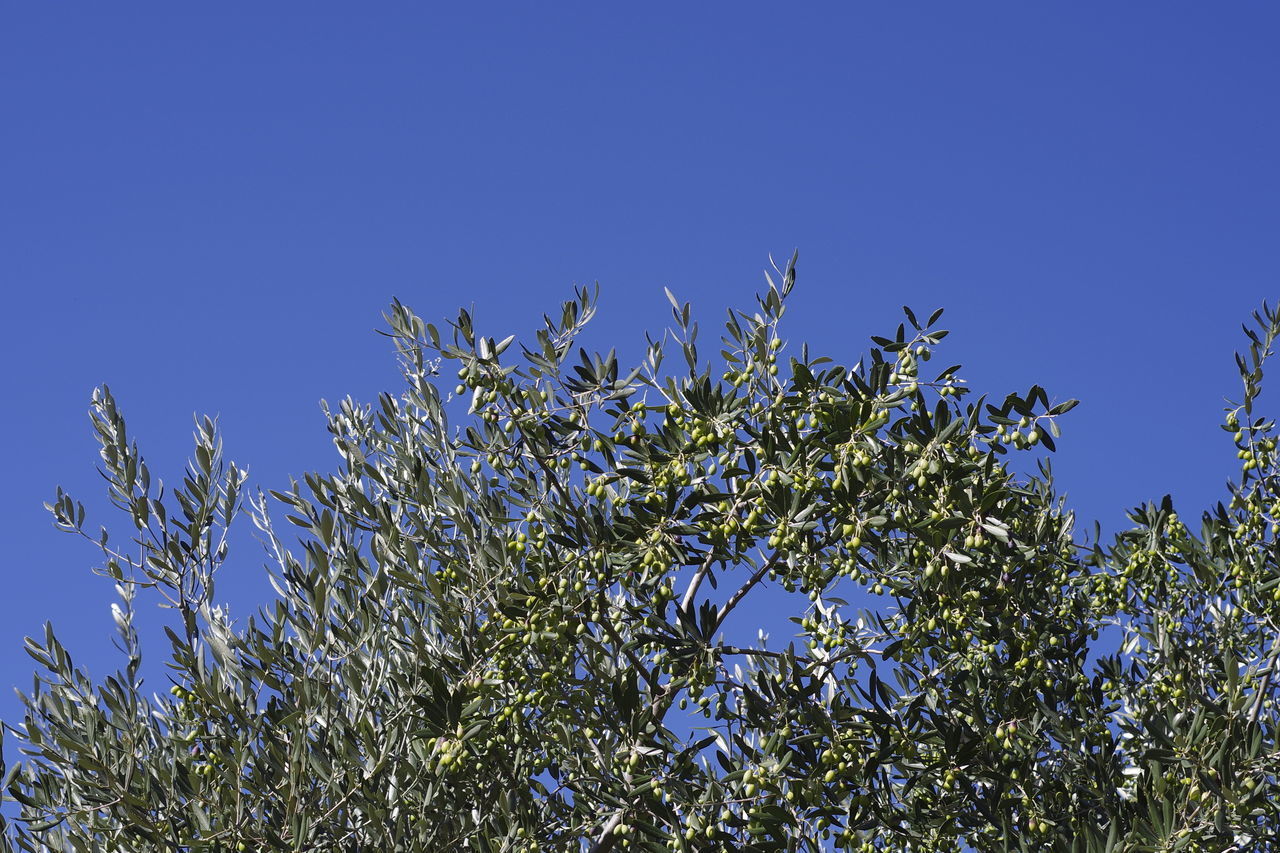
column 209, row 762
column 186, row 699
column 1025, row 433
column 535, row 538
column 906, row 371
column 450, row 753
column 674, row 473
column 837, row 759
column 1255, row 453
column 785, row 538
column 762, row 359
column 1006, row 735
column 705, row 434
column 476, row 375
column 830, row 633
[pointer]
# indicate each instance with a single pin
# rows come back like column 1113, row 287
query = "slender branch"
column 648, row 676
column 735, row 650
column 1255, row 710
column 686, row 602
column 741, row 593
column 605, row 841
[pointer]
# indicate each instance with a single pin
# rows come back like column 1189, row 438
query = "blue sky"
column 208, row 209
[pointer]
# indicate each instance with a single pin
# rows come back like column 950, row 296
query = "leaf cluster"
column 514, row 618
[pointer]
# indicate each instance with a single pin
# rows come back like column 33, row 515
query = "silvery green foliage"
column 522, row 629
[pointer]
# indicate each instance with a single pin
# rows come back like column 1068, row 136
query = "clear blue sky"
column 208, row 208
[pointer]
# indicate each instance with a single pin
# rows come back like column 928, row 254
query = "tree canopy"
column 512, row 620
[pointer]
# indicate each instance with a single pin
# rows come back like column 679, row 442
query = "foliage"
column 525, row 633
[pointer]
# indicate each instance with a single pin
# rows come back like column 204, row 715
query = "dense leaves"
column 514, row 619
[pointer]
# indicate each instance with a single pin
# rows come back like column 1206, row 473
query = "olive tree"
column 514, row 618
